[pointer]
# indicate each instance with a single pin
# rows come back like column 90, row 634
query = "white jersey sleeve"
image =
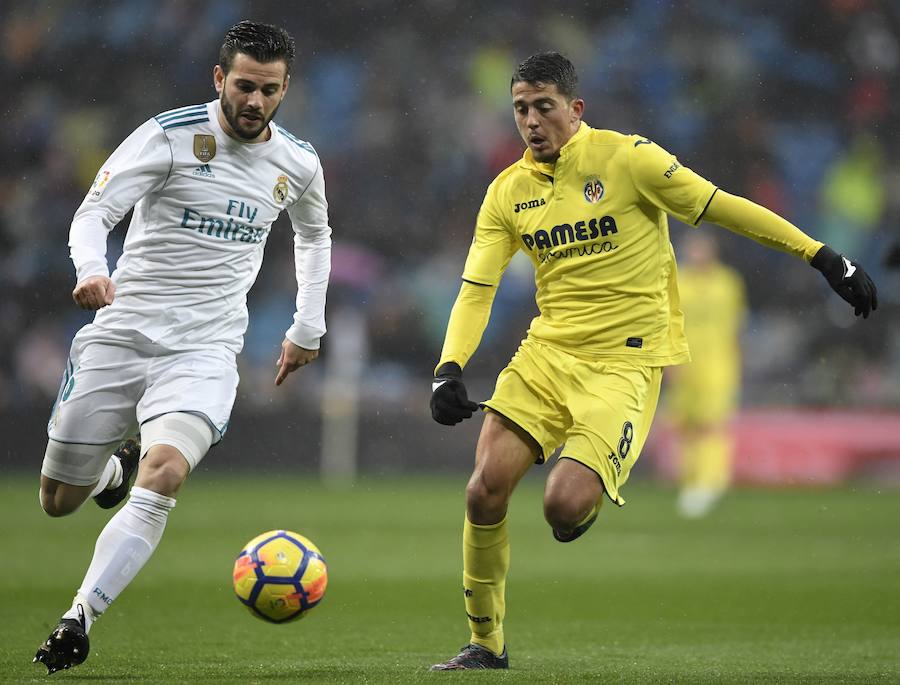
column 140, row 165
column 312, row 258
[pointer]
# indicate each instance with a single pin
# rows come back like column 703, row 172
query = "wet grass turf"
column 776, row 586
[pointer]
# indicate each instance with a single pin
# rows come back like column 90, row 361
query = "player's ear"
column 218, row 78
column 287, row 82
column 577, row 109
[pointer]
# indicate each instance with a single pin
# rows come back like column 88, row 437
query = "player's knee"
column 477, row 490
column 564, row 513
column 163, row 470
column 484, row 496
column 165, row 479
column 174, row 444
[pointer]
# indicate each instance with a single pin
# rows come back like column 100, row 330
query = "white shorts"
column 116, row 381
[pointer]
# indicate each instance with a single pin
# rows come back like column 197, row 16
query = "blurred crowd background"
column 792, row 104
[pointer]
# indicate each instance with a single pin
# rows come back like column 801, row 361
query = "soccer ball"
column 279, row 576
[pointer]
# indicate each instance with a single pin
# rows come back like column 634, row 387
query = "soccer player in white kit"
column 206, row 182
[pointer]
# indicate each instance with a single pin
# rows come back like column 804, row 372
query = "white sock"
column 111, row 477
column 123, row 547
column 86, row 611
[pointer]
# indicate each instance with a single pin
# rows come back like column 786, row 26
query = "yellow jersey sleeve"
column 493, row 245
column 665, row 183
column 754, row 221
column 468, row 319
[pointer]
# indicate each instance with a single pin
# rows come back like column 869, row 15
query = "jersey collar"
column 547, row 168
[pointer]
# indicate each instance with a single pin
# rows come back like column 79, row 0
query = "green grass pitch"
column 776, row 586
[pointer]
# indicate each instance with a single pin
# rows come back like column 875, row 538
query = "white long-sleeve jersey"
column 203, row 207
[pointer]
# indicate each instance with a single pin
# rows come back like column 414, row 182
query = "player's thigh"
column 171, row 447
column 504, row 448
column 612, row 408
column 504, row 454
column 202, row 384
column 101, row 386
column 73, row 464
column 530, row 393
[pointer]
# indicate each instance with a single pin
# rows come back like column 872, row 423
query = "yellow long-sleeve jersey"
column 594, row 225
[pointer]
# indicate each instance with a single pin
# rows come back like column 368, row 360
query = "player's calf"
column 61, row 499
column 71, row 473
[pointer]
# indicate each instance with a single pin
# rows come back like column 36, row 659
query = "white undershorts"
column 190, row 434
column 115, row 382
column 80, row 464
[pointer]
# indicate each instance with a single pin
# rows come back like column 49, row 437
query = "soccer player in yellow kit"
column 702, row 396
column 589, row 208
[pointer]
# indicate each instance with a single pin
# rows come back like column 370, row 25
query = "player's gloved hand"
column 848, row 280
column 449, row 402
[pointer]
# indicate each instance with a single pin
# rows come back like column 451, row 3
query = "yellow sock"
column 485, row 565
column 708, row 457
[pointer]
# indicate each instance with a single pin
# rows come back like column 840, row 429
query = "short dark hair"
column 547, row 68
column 263, row 42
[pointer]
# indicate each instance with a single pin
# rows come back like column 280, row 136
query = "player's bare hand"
column 94, row 293
column 292, row 358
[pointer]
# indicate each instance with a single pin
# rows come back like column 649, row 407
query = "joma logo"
column 529, row 204
column 478, row 619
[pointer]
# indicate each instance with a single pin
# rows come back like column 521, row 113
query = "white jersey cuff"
column 303, row 336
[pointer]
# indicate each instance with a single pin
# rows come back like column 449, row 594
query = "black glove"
column 848, row 280
column 449, row 402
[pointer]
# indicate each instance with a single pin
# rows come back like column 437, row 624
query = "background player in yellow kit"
column 589, row 208
column 702, row 396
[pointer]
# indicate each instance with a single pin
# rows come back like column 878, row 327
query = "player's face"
column 250, row 94
column 545, row 118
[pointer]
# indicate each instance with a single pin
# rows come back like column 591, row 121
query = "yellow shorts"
column 600, row 410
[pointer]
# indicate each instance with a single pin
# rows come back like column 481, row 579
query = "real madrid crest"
column 204, row 147
column 593, row 190
column 280, row 192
